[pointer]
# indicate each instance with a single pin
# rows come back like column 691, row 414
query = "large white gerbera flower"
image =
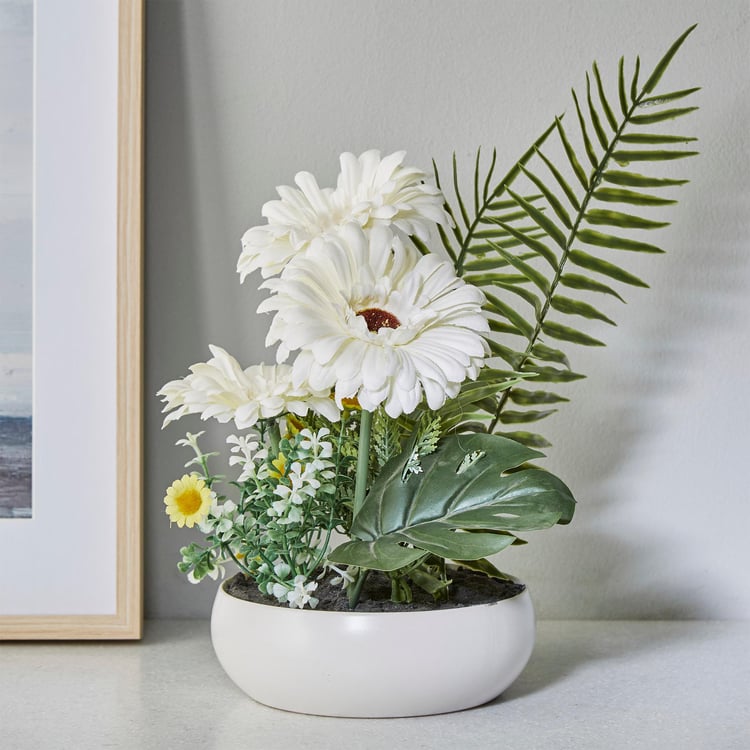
column 370, row 190
column 376, row 325
column 221, row 389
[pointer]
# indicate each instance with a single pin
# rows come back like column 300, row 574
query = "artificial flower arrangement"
column 416, row 334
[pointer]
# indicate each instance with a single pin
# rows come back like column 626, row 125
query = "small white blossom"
column 301, row 594
column 315, row 443
column 245, row 452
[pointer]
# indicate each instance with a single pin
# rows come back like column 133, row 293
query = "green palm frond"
column 554, row 230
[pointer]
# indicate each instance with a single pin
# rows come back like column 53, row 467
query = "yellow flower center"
column 280, row 464
column 188, row 501
column 375, row 318
column 294, row 425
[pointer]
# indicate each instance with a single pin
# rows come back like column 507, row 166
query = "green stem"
column 274, row 436
column 363, row 460
column 355, row 590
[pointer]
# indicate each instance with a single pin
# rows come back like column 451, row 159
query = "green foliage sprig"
column 558, row 234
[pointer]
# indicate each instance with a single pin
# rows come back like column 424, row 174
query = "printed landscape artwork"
column 16, row 123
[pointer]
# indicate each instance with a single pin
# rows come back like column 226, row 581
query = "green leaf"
column 571, row 154
column 619, row 219
column 634, row 82
column 566, row 333
column 485, row 264
column 663, row 64
column 545, row 223
column 485, row 566
column 546, row 353
column 521, row 417
column 455, row 228
column 474, row 392
column 621, row 87
column 534, row 244
column 476, row 181
column 503, row 217
column 498, row 326
column 554, row 203
column 452, row 496
column 576, row 281
column 618, row 195
column 653, row 101
column 534, row 398
column 625, row 157
column 630, row 179
column 665, row 114
column 426, row 581
column 598, row 239
column 461, row 206
column 595, row 121
column 576, row 307
column 506, row 204
column 498, row 306
column 546, row 374
column 531, row 273
column 569, row 194
column 654, row 138
column 513, row 358
column 529, row 439
column 486, row 279
column 523, row 293
column 488, row 179
column 584, row 133
column 603, row 99
column 446, row 242
column 381, row 554
column 591, row 263
column 420, row 245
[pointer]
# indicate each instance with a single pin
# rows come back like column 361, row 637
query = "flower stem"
column 355, row 590
column 363, row 460
column 274, row 436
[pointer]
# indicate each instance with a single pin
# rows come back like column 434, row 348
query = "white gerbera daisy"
column 375, row 325
column 370, row 190
column 221, row 389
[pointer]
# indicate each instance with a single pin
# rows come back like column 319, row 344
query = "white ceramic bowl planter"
column 372, row 664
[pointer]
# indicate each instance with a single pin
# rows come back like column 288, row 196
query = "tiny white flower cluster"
column 304, row 477
column 221, row 520
column 298, row 594
column 243, row 452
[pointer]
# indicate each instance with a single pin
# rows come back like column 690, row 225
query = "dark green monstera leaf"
column 464, row 502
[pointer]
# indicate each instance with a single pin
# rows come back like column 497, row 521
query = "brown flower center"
column 375, row 318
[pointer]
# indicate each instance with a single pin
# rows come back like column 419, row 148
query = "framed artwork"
column 71, row 318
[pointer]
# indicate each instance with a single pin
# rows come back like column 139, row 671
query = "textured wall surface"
column 242, row 95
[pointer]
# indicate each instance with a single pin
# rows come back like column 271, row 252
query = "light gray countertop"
column 589, row 684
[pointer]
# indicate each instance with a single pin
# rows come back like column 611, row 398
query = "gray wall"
column 241, row 95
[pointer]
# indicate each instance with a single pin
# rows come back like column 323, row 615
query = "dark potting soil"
column 467, row 588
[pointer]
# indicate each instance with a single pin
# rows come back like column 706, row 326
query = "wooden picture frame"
column 116, row 613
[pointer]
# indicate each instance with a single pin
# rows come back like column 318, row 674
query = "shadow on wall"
column 704, row 291
column 181, row 179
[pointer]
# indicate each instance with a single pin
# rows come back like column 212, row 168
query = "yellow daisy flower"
column 188, row 501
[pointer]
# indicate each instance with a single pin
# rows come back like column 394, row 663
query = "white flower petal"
column 222, row 390
column 427, row 323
